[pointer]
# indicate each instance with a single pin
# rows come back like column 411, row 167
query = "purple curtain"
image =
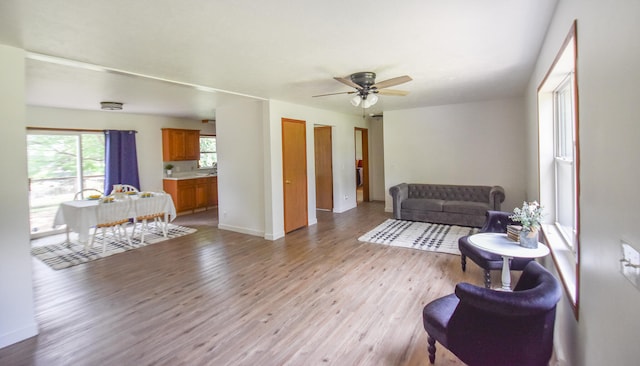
column 121, row 160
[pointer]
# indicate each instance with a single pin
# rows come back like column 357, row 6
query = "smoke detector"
column 111, row 106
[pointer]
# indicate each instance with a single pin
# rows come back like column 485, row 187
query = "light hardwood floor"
column 316, row 297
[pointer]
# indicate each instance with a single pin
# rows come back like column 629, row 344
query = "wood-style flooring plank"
column 316, row 297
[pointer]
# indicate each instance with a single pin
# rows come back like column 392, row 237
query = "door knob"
column 287, row 181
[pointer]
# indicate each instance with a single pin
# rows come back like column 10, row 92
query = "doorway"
column 294, row 174
column 361, row 136
column 324, row 167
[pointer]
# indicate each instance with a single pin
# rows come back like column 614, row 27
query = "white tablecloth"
column 80, row 216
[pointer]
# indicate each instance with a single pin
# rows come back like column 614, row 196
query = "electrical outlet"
column 630, row 263
column 346, row 197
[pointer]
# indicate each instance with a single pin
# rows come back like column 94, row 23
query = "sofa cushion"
column 423, row 204
column 466, row 207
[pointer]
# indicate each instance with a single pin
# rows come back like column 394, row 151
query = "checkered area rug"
column 418, row 235
column 63, row 255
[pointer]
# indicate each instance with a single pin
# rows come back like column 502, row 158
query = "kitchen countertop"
column 190, row 176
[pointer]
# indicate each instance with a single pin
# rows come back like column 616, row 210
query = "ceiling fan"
column 367, row 88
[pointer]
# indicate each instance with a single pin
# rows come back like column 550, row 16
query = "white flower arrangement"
column 529, row 215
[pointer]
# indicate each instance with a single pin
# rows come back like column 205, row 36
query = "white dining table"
column 80, row 215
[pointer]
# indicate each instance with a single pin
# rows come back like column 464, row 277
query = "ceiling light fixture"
column 370, row 100
column 364, row 99
column 111, row 106
column 355, row 101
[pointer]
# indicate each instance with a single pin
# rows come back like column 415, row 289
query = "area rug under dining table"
column 57, row 254
column 418, row 235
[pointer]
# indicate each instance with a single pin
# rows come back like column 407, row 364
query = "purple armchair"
column 496, row 222
column 487, row 327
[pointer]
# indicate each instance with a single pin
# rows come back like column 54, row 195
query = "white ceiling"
column 456, row 51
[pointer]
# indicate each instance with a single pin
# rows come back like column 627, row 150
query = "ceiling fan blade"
column 392, row 82
column 324, row 95
column 401, row 93
column 348, row 81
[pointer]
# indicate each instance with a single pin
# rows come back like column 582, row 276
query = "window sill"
column 565, row 261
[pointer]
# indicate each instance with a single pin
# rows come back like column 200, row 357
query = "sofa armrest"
column 496, row 197
column 398, row 193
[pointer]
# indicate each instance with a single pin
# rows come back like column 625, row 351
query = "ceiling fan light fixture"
column 370, row 100
column 355, row 101
column 373, row 99
column 111, row 106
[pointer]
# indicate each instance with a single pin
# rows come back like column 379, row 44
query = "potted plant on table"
column 168, row 168
column 529, row 216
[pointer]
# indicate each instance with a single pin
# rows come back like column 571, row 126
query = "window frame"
column 564, row 247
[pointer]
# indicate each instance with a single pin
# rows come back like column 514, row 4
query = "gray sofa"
column 445, row 204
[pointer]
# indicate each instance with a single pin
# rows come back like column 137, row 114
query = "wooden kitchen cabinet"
column 183, row 193
column 192, row 194
column 178, row 144
column 213, row 192
column 202, row 192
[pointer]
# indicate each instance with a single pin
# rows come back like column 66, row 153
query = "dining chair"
column 124, row 188
column 87, row 193
column 112, row 214
column 150, row 206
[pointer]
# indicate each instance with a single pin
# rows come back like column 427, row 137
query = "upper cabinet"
column 180, row 144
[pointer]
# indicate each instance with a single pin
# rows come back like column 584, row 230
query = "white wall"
column 468, row 144
column 17, row 317
column 240, row 146
column 608, row 329
column 148, row 138
column 358, row 137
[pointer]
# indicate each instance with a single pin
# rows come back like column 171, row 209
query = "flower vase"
column 169, row 172
column 529, row 238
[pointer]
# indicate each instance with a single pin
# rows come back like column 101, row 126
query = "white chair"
column 123, row 188
column 112, row 214
column 147, row 208
column 86, row 193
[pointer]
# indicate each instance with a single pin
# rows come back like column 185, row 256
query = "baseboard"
column 18, row 335
column 275, row 236
column 241, row 230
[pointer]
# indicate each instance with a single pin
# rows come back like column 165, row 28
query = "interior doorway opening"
column 361, row 136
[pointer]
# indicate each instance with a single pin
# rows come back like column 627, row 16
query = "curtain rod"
column 69, row 129
column 62, row 129
column 106, row 132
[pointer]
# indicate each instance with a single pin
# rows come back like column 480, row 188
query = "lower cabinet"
column 202, row 192
column 192, row 194
column 213, row 192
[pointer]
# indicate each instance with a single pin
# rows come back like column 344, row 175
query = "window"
column 60, row 163
column 559, row 164
column 208, row 156
column 564, row 177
